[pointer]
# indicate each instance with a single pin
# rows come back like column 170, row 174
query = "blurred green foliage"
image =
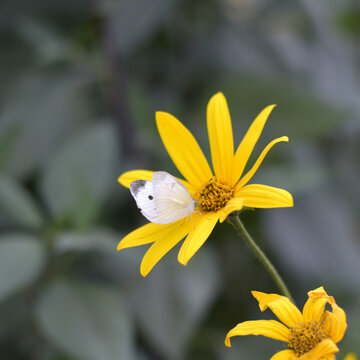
column 80, row 84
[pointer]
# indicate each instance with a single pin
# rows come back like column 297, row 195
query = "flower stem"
column 235, row 221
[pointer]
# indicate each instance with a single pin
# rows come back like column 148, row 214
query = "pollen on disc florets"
column 214, row 195
column 305, row 336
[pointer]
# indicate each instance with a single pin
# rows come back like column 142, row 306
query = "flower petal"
column 260, row 159
column 284, row 355
column 264, row 196
column 247, row 144
column 183, row 149
column 315, row 305
column 146, row 234
column 220, row 137
column 128, row 177
column 322, row 350
column 234, row 204
column 162, row 246
column 269, row 328
column 281, row 306
column 351, row 356
column 334, row 322
column 331, row 357
column 197, row 237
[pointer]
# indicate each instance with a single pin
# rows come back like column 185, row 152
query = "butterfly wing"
column 172, row 199
column 163, row 200
column 142, row 192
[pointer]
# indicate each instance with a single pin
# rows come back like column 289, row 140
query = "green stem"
column 235, row 221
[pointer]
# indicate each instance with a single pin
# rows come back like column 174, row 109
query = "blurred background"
column 80, row 84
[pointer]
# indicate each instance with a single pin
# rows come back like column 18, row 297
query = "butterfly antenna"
column 196, row 203
column 192, row 221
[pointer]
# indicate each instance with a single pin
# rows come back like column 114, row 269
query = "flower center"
column 305, row 336
column 214, row 195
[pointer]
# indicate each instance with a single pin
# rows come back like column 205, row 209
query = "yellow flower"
column 351, row 356
column 310, row 335
column 218, row 194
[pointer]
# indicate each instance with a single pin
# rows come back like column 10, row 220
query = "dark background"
column 80, row 84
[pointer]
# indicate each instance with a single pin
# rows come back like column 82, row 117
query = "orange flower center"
column 305, row 336
column 214, row 195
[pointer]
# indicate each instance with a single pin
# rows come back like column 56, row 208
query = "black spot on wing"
column 137, row 185
column 150, row 197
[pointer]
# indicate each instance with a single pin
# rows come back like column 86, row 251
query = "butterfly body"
column 164, row 199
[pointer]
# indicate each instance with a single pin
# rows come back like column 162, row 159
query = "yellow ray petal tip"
column 120, row 246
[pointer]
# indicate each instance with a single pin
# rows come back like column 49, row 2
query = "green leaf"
column 87, row 321
column 298, row 179
column 172, row 300
column 351, row 341
column 39, row 112
column 309, row 237
column 135, row 21
column 22, row 258
column 101, row 240
column 299, row 113
column 119, row 266
column 80, row 176
column 18, row 204
column 49, row 46
column 249, row 347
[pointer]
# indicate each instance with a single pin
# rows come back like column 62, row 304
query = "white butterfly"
column 164, row 199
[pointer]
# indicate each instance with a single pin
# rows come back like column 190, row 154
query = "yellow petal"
column 269, row 328
column 351, row 356
column 281, row 306
column 284, row 355
column 234, row 204
column 318, row 292
column 247, row 144
column 331, row 357
column 334, row 322
column 220, row 137
column 314, row 309
column 264, row 196
column 162, row 246
column 128, row 177
column 146, row 234
column 244, row 180
column 335, row 325
column 183, row 149
column 324, row 349
column 196, row 238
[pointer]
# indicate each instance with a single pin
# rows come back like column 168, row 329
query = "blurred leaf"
column 299, row 112
column 80, row 176
column 96, row 239
column 7, row 143
column 18, row 204
column 296, row 179
column 135, row 21
column 49, row 46
column 90, row 322
column 40, row 112
column 22, row 258
column 352, row 336
column 349, row 21
column 314, row 235
column 117, row 266
column 250, row 347
column 172, row 300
